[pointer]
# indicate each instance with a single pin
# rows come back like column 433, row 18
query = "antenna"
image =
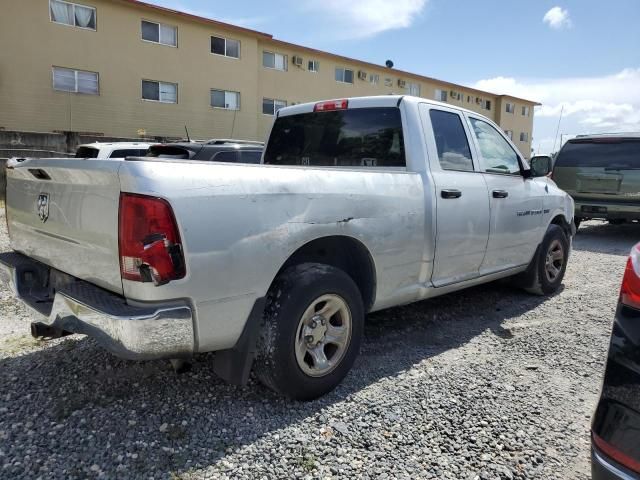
column 186, row 130
column 558, row 129
column 389, row 64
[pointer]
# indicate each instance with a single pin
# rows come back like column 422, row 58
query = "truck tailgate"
column 64, row 213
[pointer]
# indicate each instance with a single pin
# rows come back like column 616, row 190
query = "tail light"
column 630, row 291
column 149, row 242
column 331, row 105
column 615, row 454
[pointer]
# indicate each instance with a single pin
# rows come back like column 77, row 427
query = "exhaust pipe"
column 40, row 330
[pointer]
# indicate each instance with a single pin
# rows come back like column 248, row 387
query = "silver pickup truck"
column 360, row 204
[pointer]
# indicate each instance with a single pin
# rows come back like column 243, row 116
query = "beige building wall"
column 116, row 51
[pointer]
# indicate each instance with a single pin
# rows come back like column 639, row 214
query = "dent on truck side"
column 240, row 224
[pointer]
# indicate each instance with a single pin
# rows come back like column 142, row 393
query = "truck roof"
column 116, row 144
column 371, row 101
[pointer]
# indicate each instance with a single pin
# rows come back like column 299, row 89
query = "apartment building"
column 126, row 68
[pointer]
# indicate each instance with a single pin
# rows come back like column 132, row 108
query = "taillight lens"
column 149, row 242
column 615, row 454
column 630, row 291
column 331, row 105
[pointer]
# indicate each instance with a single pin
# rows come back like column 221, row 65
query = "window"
column 510, row 108
column 414, row 89
column 159, row 33
column 160, row 91
column 72, row 14
column 271, row 106
column 228, row 156
column 225, row 47
column 274, row 60
column 468, row 98
column 441, row 95
column 129, row 152
column 601, row 153
column 344, row 75
column 374, row 79
column 525, row 111
column 486, row 104
column 313, row 66
column 250, row 156
column 524, row 136
column 87, row 152
column 76, row 81
column 225, row 99
column 451, row 141
column 359, row 137
column 509, row 134
column 496, row 152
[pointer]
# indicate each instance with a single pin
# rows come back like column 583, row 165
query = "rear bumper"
column 606, row 210
column 603, row 468
column 67, row 304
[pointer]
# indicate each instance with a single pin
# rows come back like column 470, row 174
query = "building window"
column 441, row 95
column 486, row 104
column 76, row 81
column 524, row 137
column 414, row 89
column 271, row 106
column 374, row 79
column 509, row 134
column 72, row 14
column 274, row 60
column 525, row 111
column 468, row 98
column 510, row 108
column 344, row 75
column 313, row 66
column 225, row 99
column 225, row 47
column 160, row 91
column 159, row 33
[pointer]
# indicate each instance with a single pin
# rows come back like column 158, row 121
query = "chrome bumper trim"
column 131, row 332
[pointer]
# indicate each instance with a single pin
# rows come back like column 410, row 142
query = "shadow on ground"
column 93, row 408
column 602, row 237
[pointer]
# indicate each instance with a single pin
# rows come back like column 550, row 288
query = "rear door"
column 64, row 213
column 462, row 204
column 600, row 169
column 516, row 203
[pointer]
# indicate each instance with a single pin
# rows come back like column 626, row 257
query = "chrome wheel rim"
column 323, row 335
column 554, row 260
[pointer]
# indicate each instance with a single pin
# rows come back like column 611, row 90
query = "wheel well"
column 345, row 253
column 562, row 223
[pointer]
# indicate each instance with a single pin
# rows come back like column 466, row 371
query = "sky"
column 578, row 57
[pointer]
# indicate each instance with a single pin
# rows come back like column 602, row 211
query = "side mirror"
column 540, row 165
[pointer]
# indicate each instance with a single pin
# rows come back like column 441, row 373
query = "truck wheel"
column 311, row 333
column 545, row 274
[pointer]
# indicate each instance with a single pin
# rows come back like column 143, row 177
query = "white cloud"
column 363, row 18
column 557, row 18
column 589, row 104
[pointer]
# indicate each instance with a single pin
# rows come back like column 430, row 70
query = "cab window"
column 451, row 141
column 496, row 152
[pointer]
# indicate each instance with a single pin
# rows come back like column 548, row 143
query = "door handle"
column 451, row 193
column 500, row 194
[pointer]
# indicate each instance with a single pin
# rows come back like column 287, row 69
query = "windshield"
column 606, row 153
column 86, row 152
column 363, row 137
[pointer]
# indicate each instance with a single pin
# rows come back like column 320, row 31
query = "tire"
column 538, row 278
column 295, row 335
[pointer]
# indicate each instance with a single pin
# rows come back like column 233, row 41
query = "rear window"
column 250, row 156
column 168, row 151
column 129, row 152
column 360, row 137
column 86, row 152
column 622, row 153
column 229, row 156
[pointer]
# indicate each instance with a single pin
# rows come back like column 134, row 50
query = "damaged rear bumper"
column 67, row 304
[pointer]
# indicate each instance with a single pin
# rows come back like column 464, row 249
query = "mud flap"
column 234, row 365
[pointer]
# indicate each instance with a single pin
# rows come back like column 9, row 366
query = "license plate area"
column 593, row 209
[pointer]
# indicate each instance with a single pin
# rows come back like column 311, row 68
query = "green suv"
column 602, row 174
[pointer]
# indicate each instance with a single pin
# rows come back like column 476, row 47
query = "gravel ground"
column 486, row 383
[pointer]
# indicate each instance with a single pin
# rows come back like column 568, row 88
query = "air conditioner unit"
column 297, row 60
column 401, row 83
column 453, row 94
column 362, row 75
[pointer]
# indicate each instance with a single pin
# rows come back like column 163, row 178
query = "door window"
column 451, row 141
column 229, row 156
column 496, row 152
